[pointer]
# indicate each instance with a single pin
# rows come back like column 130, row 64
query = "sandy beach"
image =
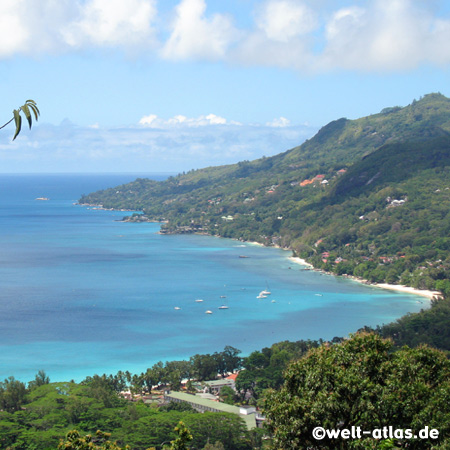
column 392, row 287
column 409, row 290
column 302, row 262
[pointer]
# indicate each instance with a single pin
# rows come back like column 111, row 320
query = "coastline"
column 391, row 287
column 302, row 262
column 409, row 290
column 295, row 259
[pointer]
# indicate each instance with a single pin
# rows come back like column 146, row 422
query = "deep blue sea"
column 84, row 293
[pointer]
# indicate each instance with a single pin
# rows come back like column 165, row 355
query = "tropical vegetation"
column 367, row 197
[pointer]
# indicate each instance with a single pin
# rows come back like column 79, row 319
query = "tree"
column 12, row 394
column 28, row 108
column 184, row 436
column 360, row 382
column 75, row 441
column 230, row 356
column 40, row 379
column 227, row 395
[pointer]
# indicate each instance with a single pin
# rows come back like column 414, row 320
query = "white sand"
column 409, row 290
column 300, row 261
column 391, row 287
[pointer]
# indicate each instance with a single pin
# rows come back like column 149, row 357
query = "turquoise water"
column 83, row 293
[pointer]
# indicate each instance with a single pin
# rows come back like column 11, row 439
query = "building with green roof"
column 202, row 405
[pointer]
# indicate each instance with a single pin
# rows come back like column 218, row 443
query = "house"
column 216, row 386
column 202, row 405
column 246, row 410
column 233, row 377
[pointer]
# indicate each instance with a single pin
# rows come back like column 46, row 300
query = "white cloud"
column 13, row 33
column 283, row 20
column 196, row 36
column 280, row 122
column 112, row 23
column 309, row 37
column 174, row 148
column 48, row 26
column 384, row 36
column 153, row 121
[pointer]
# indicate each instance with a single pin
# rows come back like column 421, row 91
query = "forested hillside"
column 367, row 197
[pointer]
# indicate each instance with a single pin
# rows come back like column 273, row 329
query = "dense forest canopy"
column 367, row 197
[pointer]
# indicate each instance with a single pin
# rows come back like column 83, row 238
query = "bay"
column 83, row 293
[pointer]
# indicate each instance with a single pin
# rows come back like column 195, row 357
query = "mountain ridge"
column 355, row 192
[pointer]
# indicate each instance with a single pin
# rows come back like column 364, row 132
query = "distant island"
column 368, row 198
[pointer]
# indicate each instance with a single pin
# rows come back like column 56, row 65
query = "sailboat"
column 265, row 291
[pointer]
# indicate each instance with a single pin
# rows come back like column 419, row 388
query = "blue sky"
column 167, row 86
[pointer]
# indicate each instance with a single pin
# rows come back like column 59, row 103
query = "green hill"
column 367, row 197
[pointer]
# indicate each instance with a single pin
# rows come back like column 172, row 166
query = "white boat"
column 43, row 198
column 223, row 307
column 177, row 307
column 199, row 300
column 208, row 312
column 265, row 292
column 274, row 301
column 319, row 295
column 261, row 296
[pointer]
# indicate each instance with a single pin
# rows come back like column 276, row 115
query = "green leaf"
column 27, row 113
column 31, row 104
column 35, row 110
column 18, row 121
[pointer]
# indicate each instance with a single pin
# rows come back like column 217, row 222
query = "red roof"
column 233, row 376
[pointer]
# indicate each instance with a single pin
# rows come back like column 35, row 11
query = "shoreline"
column 391, row 287
column 409, row 290
column 297, row 260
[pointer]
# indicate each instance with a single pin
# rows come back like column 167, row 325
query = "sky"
column 173, row 85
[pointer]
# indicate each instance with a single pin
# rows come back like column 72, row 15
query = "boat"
column 177, row 307
column 42, row 198
column 244, row 256
column 274, row 301
column 208, row 312
column 223, row 307
column 223, row 296
column 319, row 295
column 265, row 291
column 261, row 296
column 199, row 300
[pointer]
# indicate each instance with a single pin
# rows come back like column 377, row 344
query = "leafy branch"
column 28, row 108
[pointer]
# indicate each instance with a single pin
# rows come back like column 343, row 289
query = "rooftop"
column 250, row 420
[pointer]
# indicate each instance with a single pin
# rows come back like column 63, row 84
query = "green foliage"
column 41, row 415
column 227, row 395
column 27, row 109
column 74, row 441
column 360, row 382
column 264, row 369
column 429, row 326
column 12, row 394
column 184, row 436
column 385, row 219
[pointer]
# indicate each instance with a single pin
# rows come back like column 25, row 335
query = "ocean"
column 83, row 293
